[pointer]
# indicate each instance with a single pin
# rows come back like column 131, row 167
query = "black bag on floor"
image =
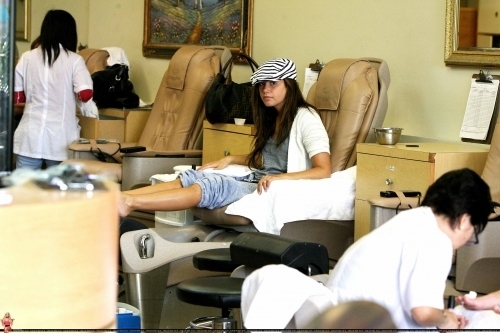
column 113, row 89
column 227, row 100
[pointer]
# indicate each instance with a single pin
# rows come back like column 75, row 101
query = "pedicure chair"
column 173, row 132
column 357, row 103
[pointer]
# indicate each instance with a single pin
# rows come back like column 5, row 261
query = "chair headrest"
column 95, row 59
column 179, row 64
column 334, row 78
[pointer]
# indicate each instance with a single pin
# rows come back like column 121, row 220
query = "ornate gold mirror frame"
column 472, row 57
column 23, row 20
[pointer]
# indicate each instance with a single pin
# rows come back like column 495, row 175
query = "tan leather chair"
column 173, row 133
column 95, row 59
column 351, row 98
column 478, row 266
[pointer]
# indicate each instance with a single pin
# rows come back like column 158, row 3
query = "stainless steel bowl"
column 388, row 135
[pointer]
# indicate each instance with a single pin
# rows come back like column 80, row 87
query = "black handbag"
column 113, row 89
column 226, row 99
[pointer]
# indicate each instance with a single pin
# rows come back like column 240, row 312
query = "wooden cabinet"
column 220, row 140
column 123, row 125
column 407, row 167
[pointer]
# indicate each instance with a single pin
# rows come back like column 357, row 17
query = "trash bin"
column 128, row 318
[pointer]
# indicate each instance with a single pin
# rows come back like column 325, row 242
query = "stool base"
column 214, row 323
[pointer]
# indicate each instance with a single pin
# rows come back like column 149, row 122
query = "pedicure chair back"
column 478, row 266
column 351, row 98
column 173, row 133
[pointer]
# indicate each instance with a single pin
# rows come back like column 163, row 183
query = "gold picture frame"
column 171, row 24
column 464, row 57
column 23, row 20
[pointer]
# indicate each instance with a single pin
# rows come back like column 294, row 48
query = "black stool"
column 253, row 249
column 221, row 292
column 218, row 260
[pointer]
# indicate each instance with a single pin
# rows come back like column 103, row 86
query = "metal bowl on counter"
column 388, row 135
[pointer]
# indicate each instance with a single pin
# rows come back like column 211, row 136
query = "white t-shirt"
column 401, row 265
column 49, row 123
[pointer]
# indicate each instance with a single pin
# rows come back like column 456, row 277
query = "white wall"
column 426, row 98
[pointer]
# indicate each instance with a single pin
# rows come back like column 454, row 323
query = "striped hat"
column 274, row 70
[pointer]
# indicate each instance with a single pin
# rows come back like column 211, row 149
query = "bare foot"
column 124, row 208
column 486, row 302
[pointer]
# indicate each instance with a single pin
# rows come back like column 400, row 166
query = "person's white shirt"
column 49, row 123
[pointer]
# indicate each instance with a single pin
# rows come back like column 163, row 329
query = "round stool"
column 218, row 260
column 221, row 292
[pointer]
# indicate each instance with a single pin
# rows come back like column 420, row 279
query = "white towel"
column 295, row 200
column 234, row 170
column 271, row 296
column 479, row 319
column 117, row 56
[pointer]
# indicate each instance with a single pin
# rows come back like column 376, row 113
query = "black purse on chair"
column 226, row 99
column 112, row 88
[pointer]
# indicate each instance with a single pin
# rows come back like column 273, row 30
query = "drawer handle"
column 389, row 181
column 227, row 152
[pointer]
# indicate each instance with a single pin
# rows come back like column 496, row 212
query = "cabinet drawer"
column 373, row 171
column 217, row 144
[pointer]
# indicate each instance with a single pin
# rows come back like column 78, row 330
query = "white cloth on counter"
column 294, row 200
column 234, row 170
column 162, row 178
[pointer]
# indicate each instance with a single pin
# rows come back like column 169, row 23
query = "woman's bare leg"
column 160, row 187
column 167, row 200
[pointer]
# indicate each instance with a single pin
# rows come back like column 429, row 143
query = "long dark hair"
column 58, row 28
column 265, row 119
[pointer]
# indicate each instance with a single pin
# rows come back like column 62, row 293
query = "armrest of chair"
column 84, row 150
column 169, row 154
column 139, row 167
column 159, row 250
column 109, row 147
column 395, row 203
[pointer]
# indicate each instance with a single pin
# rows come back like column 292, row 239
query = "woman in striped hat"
column 290, row 143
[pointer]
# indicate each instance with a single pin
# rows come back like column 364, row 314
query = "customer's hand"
column 217, row 165
column 265, row 182
column 453, row 322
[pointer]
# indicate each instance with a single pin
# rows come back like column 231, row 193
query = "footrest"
column 221, row 292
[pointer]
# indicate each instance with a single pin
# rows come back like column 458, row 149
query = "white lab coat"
column 49, row 123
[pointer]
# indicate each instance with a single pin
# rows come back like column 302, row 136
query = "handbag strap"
column 253, row 65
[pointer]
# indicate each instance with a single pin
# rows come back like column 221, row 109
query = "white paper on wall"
column 479, row 110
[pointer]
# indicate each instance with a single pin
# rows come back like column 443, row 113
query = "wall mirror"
column 23, row 20
column 472, row 33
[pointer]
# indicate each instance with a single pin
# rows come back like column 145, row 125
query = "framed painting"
column 171, row 24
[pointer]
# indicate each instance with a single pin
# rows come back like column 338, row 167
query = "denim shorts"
column 218, row 190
